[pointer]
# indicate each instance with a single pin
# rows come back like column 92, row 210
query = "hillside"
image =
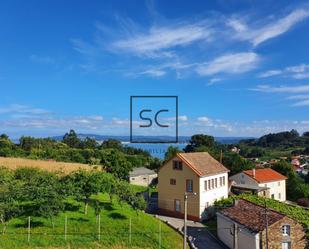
column 51, row 166
column 82, row 230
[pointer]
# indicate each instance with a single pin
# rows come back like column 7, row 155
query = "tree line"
column 111, row 155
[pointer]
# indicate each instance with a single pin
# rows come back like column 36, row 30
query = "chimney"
column 235, row 202
column 253, row 172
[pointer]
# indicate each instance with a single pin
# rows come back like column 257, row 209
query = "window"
column 286, row 230
column 205, row 185
column 173, row 181
column 223, row 180
column 220, row 180
column 273, row 196
column 279, row 195
column 132, row 178
column 212, row 183
column 209, row 187
column 177, row 165
column 177, row 205
column 189, row 186
column 278, row 184
column 216, row 182
column 286, row 245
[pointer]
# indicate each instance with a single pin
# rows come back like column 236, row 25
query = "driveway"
column 201, row 237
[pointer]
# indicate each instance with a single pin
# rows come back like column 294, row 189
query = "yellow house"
column 196, row 172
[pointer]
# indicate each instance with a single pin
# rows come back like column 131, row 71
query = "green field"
column 82, row 230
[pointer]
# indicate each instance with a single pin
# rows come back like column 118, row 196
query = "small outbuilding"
column 248, row 225
column 142, row 176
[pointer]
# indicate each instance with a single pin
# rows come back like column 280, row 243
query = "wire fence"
column 65, row 233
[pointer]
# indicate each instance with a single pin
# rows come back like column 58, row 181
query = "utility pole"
column 159, row 233
column 185, row 222
column 266, row 221
column 235, row 233
column 185, row 218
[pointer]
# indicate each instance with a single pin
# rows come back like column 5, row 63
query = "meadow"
column 145, row 230
column 47, row 165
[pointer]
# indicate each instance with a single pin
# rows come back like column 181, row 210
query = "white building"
column 264, row 182
column 142, row 176
column 196, row 172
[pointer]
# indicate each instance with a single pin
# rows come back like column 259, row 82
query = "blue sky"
column 239, row 69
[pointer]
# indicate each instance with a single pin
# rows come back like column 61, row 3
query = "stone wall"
column 275, row 237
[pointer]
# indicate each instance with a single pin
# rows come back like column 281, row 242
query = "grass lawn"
column 82, row 230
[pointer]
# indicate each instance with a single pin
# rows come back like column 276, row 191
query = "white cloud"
column 297, row 72
column 183, row 118
column 154, row 72
column 158, row 39
column 213, row 81
column 302, row 103
column 22, row 109
column 298, row 97
column 282, row 89
column 258, row 34
column 298, row 69
column 270, row 73
column 237, row 25
column 230, row 63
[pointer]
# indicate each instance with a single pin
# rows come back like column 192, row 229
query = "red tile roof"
column 265, row 175
column 202, row 163
column 251, row 215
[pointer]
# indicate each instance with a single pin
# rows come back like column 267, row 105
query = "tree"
column 43, row 190
column 115, row 162
column 72, row 140
column 284, row 168
column 171, row 152
column 112, row 144
column 83, row 185
column 200, row 140
column 89, row 143
column 236, row 163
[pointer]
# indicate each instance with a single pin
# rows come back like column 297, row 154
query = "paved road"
column 201, row 237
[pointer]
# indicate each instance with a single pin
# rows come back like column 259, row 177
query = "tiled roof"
column 141, row 171
column 251, row 215
column 202, row 163
column 265, row 175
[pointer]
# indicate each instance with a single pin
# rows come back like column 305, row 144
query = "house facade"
column 243, row 226
column 263, row 182
column 197, row 173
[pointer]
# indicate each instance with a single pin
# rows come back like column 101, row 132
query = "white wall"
column 276, row 187
column 246, row 239
column 242, row 178
column 212, row 195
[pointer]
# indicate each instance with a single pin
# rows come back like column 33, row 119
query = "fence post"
column 29, row 227
column 130, row 232
column 99, row 228
column 159, row 233
column 65, row 227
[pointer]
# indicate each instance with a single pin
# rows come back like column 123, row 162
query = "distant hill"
column 181, row 139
